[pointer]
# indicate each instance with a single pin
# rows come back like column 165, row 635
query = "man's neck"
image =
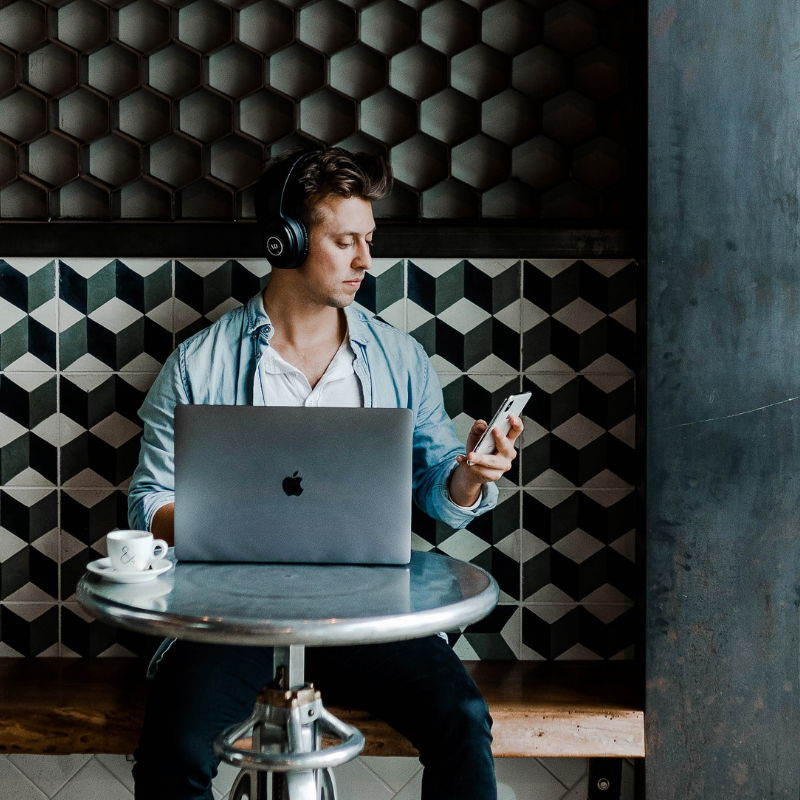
column 298, row 324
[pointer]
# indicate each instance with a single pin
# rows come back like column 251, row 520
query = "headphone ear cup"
column 300, row 234
column 279, row 245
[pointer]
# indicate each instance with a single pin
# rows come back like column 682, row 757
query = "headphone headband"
column 278, row 179
column 284, row 237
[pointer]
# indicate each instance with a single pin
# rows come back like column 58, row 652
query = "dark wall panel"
column 724, row 412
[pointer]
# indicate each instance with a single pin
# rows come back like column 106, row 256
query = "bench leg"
column 605, row 778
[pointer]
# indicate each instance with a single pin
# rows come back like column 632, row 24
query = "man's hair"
column 337, row 172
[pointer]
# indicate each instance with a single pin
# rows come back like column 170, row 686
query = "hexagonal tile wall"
column 297, row 71
column 388, row 26
column 327, row 116
column 142, row 114
column 8, row 163
column 8, row 69
column 450, row 199
column 52, row 159
column 449, row 116
column 265, row 116
column 22, row 25
column 358, row 71
column 51, row 69
column 22, row 200
column 265, row 26
column 83, row 114
column 112, row 70
column 173, row 71
column 419, row 162
column 114, row 160
column 22, row 116
column 203, row 25
column 237, row 161
column 327, row 26
column 235, row 71
column 546, row 82
column 142, row 25
column 389, row 116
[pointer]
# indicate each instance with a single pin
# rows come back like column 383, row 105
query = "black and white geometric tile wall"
column 82, row 340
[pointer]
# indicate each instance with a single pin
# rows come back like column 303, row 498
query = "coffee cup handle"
column 160, row 548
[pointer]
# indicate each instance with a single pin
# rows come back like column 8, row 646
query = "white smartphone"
column 511, row 406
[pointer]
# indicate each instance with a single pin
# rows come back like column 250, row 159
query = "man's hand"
column 466, row 481
column 163, row 524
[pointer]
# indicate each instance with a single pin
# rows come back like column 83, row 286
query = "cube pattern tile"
column 34, row 777
column 27, row 315
column 561, row 542
column 158, row 110
column 114, row 316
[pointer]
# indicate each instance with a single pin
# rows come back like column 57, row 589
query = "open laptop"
column 293, row 485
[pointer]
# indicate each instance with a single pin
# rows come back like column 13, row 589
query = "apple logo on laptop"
column 291, row 485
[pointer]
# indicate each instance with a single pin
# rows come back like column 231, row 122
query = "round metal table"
column 288, row 607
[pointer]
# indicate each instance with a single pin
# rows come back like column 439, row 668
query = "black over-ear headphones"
column 285, row 237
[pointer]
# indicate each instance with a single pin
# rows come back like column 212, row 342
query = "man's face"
column 338, row 250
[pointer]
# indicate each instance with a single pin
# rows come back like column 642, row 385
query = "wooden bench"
column 554, row 709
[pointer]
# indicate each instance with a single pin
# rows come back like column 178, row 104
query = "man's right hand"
column 163, row 524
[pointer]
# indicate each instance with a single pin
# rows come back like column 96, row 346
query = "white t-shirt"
column 283, row 384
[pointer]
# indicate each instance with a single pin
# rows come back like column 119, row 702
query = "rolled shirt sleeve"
column 153, row 483
column 436, row 446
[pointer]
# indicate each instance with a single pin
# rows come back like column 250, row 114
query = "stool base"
column 286, row 760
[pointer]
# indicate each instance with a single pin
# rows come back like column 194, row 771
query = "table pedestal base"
column 286, row 760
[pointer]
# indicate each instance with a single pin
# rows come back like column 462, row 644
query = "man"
column 300, row 343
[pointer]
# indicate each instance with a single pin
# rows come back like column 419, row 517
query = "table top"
column 293, row 604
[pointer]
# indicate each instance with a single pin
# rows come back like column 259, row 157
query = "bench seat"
column 543, row 709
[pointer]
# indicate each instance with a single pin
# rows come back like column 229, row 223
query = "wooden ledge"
column 552, row 709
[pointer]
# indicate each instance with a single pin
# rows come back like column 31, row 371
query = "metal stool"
column 286, row 760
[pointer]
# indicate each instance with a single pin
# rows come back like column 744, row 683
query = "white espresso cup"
column 134, row 550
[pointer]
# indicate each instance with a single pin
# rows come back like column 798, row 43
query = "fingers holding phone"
column 498, row 436
column 493, row 464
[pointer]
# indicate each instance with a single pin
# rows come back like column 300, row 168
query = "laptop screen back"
column 295, row 485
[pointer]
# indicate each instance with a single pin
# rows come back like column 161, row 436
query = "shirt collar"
column 356, row 325
column 257, row 318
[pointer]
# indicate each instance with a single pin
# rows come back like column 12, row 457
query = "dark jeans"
column 419, row 687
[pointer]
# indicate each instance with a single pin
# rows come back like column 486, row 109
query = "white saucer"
column 103, row 568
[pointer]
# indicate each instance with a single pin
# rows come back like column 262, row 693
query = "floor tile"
column 119, row 767
column 355, row 781
column 525, row 779
column 412, row 790
column 395, row 772
column 568, row 770
column 226, row 775
column 93, row 780
column 49, row 773
column 580, row 791
column 16, row 784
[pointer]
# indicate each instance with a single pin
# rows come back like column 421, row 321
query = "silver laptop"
column 293, row 485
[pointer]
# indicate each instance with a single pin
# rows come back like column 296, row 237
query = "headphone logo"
column 274, row 246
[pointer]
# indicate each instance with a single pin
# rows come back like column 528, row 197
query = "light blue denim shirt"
column 219, row 366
